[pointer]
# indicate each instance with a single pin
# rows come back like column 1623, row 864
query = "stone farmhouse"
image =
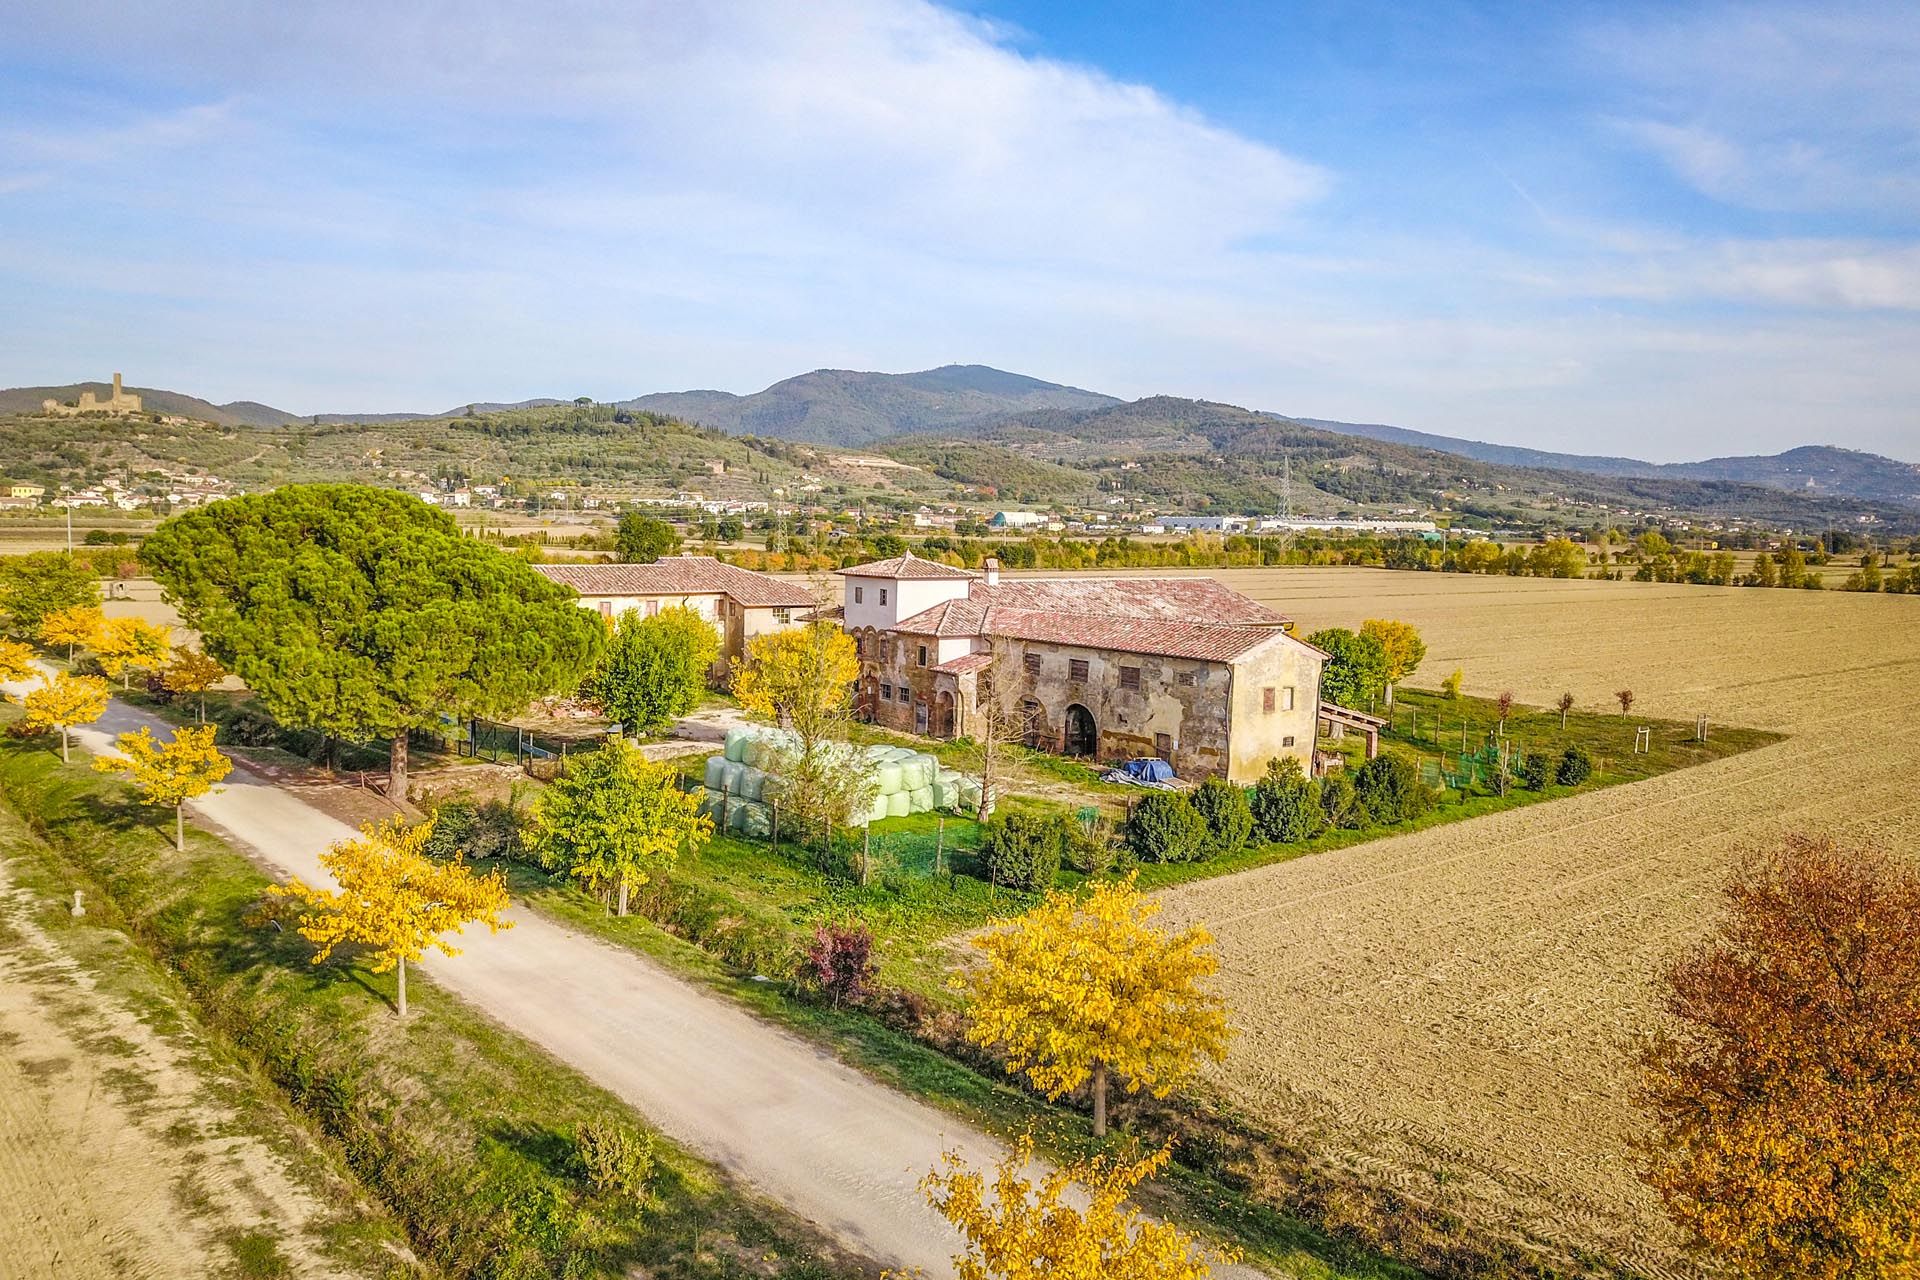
column 738, row 602
column 1108, row 668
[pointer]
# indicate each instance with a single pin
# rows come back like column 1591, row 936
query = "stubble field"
column 1452, row 1012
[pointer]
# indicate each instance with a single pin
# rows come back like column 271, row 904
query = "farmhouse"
column 1107, row 668
column 738, row 602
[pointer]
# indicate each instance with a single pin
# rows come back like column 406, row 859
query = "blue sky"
column 1666, row 230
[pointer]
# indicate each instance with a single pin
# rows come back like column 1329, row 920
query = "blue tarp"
column 1149, row 770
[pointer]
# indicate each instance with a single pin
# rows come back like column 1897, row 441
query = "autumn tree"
column 1402, row 650
column 1355, row 669
column 654, row 670
column 616, row 819
column 1785, row 1090
column 363, row 613
column 33, row 586
column 1078, row 988
column 803, row 678
column 394, row 899
column 1563, row 707
column 76, row 626
column 169, row 773
column 193, row 672
column 64, row 701
column 16, row 660
column 1625, row 697
column 1067, row 1222
column 126, row 645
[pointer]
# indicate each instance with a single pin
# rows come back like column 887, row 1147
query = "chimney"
column 993, row 571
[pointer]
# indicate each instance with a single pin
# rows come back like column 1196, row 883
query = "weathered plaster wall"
column 1260, row 735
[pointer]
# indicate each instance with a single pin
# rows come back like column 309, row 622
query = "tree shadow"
column 549, row 1148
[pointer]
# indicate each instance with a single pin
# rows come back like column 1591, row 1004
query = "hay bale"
column 733, row 772
column 750, row 818
column 920, row 800
column 710, row 801
column 752, row 782
column 878, row 809
column 917, row 772
column 899, row 805
column 889, row 777
column 717, row 772
column 737, row 738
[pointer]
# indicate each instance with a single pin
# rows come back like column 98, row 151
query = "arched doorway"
column 943, row 715
column 1033, row 725
column 1082, row 737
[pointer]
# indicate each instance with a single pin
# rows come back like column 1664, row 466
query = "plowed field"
column 1451, row 1011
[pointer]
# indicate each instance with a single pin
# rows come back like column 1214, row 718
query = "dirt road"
column 797, row 1124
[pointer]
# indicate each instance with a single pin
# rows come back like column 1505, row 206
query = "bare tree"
column 1566, row 705
column 1626, row 700
column 1001, row 718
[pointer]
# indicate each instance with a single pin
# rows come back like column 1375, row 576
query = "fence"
column 541, row 755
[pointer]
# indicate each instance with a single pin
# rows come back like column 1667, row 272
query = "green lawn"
column 463, row 1131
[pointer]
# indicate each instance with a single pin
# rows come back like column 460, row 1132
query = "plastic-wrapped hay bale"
column 921, row 800
column 756, row 751
column 875, row 753
column 771, row 788
column 752, row 782
column 899, row 804
column 737, row 741
column 751, row 818
column 896, row 755
column 889, row 778
column 917, row 772
column 709, row 801
column 878, row 809
column 717, row 771
column 733, row 772
column 943, row 793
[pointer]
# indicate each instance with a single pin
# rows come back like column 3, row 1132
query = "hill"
column 1819, row 469
column 841, row 406
column 240, row 413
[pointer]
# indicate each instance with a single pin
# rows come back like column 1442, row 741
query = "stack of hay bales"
column 741, row 781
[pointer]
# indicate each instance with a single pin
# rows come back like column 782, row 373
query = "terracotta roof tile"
column 906, row 566
column 1203, row 641
column 681, row 575
column 966, row 664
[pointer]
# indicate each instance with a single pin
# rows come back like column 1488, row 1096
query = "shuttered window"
column 1266, row 700
column 1130, row 678
column 1076, row 668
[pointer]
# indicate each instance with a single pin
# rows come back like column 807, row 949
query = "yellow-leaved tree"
column 16, row 660
column 1402, row 645
column 126, row 645
column 615, row 819
column 65, row 701
column 803, row 678
column 76, row 626
column 1080, row 987
column 1072, row 1222
column 394, row 899
column 193, row 672
column 169, row 773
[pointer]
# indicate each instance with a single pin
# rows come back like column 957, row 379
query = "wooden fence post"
column 866, row 855
column 939, row 844
column 776, row 826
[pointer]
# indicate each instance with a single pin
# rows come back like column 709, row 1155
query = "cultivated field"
column 1451, row 1011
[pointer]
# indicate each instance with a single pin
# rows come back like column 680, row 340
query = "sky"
column 1666, row 230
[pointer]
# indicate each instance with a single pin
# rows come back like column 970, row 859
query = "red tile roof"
column 681, row 575
column 906, row 566
column 1203, row 641
column 1170, row 599
column 965, row 664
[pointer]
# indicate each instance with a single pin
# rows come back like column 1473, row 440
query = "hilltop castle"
column 120, row 402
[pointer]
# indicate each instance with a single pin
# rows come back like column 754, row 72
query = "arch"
column 1082, row 737
column 1033, row 724
column 943, row 714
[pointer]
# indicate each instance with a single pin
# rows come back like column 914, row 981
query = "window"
column 1032, row 663
column 1184, row 679
column 606, row 610
column 1076, row 668
column 919, row 717
column 859, row 595
column 1287, row 741
column 923, row 655
column 886, row 693
column 1286, row 698
column 1130, row 678
column 783, row 615
column 653, row 608
column 1266, row 700
column 883, row 595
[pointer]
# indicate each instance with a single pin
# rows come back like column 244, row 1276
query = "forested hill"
column 840, row 406
column 1815, row 469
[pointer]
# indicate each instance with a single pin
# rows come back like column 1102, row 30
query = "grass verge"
column 464, row 1132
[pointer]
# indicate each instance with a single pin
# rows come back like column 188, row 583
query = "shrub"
column 1338, row 803
column 1165, row 827
column 616, row 1158
column 1023, row 850
column 1574, row 768
column 485, row 829
column 1450, row 687
column 840, row 961
column 1389, row 789
column 1534, row 770
column 1223, row 806
column 1286, row 803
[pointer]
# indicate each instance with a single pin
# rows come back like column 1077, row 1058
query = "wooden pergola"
column 1337, row 719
